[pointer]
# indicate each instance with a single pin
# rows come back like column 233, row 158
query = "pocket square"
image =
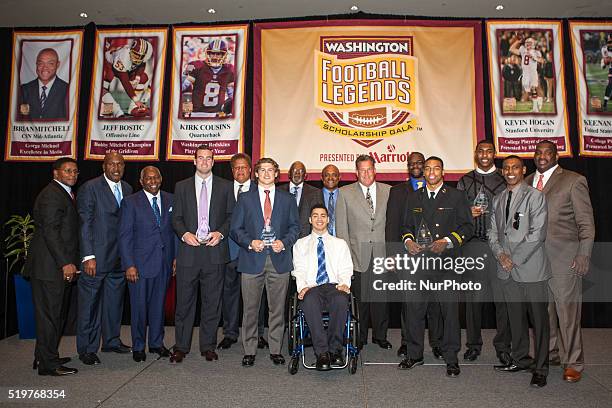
column 170, row 209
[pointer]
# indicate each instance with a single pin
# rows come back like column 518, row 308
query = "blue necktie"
column 295, row 194
column 321, row 271
column 331, row 211
column 117, row 193
column 156, row 211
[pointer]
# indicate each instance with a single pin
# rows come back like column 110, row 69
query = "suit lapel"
column 192, row 195
column 106, row 190
column 554, row 178
column 146, row 206
column 516, row 203
column 362, row 199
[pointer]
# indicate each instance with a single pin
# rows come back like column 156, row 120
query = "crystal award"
column 268, row 235
column 481, row 201
column 423, row 237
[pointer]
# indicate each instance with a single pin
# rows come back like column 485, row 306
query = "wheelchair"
column 298, row 337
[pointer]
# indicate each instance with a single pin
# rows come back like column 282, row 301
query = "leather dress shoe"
column 402, row 351
column 226, row 343
column 571, row 375
column 453, row 370
column 62, row 361
column 408, row 363
column 121, row 349
column 504, row 358
column 323, row 362
column 511, row 368
column 177, row 356
column 277, row 359
column 59, row 371
column 471, row 354
column 262, row 343
column 336, row 359
column 160, row 351
column 89, row 359
column 248, row 360
column 139, row 356
column 538, row 380
column 383, row 344
column 210, row 355
column 437, row 353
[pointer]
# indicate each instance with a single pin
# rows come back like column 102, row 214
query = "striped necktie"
column 156, row 211
column 43, row 97
column 322, row 276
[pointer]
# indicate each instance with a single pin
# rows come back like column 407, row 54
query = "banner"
column 125, row 105
column 207, row 91
column 527, row 86
column 328, row 91
column 44, row 95
column 592, row 54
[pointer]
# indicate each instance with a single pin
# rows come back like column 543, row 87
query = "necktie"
column 331, row 210
column 432, row 195
column 508, row 204
column 540, row 185
column 267, row 208
column 117, row 194
column 72, row 196
column 295, row 194
column 321, row 270
column 156, row 211
column 370, row 202
column 203, row 228
column 43, row 97
column 240, row 189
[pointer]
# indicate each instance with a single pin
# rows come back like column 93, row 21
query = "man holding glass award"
column 265, row 225
column 203, row 206
column 437, row 222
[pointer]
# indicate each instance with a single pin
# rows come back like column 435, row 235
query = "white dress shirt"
column 490, row 171
column 436, row 191
column 372, row 188
column 49, row 85
column 262, row 196
column 246, row 186
column 338, row 262
column 546, row 174
column 300, row 188
column 65, row 187
column 150, row 198
column 112, row 185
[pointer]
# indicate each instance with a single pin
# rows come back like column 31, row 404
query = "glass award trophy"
column 203, row 234
column 481, row 201
column 423, row 237
column 268, row 235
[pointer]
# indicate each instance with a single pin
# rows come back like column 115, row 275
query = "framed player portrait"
column 597, row 67
column 208, row 76
column 527, row 71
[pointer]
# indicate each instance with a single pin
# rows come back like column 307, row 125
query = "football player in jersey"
column 606, row 62
column 530, row 57
column 211, row 81
column 125, row 63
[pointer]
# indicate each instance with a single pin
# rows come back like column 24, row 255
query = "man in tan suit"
column 570, row 236
column 360, row 220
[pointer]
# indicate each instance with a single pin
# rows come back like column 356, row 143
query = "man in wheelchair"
column 322, row 268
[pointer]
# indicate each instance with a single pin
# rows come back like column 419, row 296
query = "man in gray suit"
column 570, row 236
column 360, row 220
column 516, row 237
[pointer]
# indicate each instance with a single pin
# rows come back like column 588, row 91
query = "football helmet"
column 216, row 53
column 140, row 51
column 530, row 44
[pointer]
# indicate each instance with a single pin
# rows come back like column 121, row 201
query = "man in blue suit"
column 147, row 247
column 264, row 259
column 102, row 285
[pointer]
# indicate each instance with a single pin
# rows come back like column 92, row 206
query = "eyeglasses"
column 69, row 171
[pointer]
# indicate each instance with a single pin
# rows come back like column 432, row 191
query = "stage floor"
column 120, row 382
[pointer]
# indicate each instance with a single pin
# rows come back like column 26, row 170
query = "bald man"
column 330, row 176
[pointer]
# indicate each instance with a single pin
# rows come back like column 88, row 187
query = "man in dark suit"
column 46, row 96
column 516, row 237
column 203, row 206
column 330, row 176
column 569, row 240
column 305, row 195
column 147, row 245
column 52, row 264
column 446, row 213
column 265, row 225
column 102, row 285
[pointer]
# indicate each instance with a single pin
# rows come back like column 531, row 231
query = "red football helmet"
column 216, row 53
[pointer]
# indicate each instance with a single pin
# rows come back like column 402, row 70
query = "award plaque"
column 268, row 235
column 423, row 237
column 481, row 201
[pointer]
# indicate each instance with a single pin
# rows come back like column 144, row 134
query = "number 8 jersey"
column 212, row 87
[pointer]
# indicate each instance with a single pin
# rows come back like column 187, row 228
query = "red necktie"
column 540, row 185
column 73, row 196
column 267, row 208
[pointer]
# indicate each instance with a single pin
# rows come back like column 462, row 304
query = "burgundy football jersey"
column 210, row 88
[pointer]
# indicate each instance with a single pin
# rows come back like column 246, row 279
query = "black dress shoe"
column 538, row 380
column 471, row 354
column 139, row 356
column 452, row 370
column 226, row 343
column 336, row 359
column 323, row 362
column 408, row 363
column 384, row 344
column 62, row 361
column 504, row 358
column 59, row 371
column 402, row 351
column 512, row 368
column 121, row 349
column 210, row 355
column 89, row 359
column 277, row 359
column 248, row 360
column 160, row 351
column 262, row 343
column 437, row 353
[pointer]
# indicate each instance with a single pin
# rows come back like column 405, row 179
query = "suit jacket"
column 99, row 214
column 248, row 222
column 354, row 224
column 234, row 248
column 396, row 208
column 56, row 105
column 523, row 242
column 56, row 238
column 571, row 228
column 310, row 196
column 142, row 243
column 185, row 219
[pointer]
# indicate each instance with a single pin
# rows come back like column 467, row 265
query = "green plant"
column 17, row 242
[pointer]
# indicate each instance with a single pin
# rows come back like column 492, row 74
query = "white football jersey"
column 605, row 54
column 120, row 59
column 529, row 64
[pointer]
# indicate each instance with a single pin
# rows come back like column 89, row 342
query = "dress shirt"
column 417, row 183
column 546, row 174
column 65, row 187
column 150, row 198
column 262, row 196
column 436, row 191
column 300, row 187
column 326, row 194
column 48, row 85
column 198, row 187
column 338, row 262
column 490, row 171
column 112, row 185
column 372, row 188
column 246, row 186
